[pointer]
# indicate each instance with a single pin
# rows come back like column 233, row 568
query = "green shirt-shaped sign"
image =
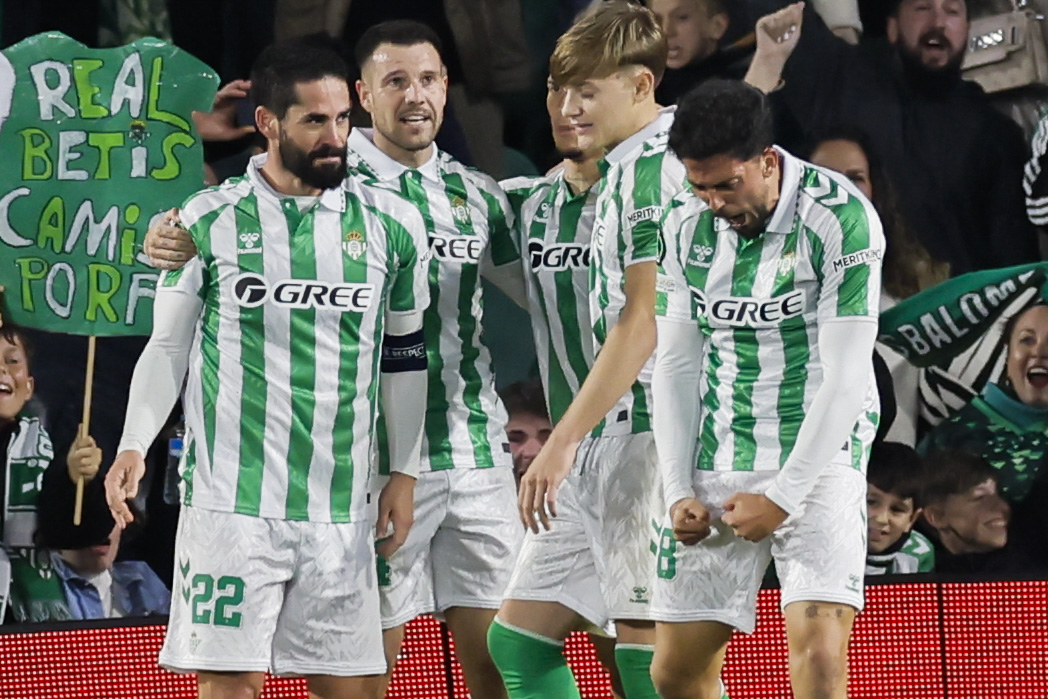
column 96, row 143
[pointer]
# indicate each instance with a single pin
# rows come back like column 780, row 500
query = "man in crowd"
column 527, row 423
column 304, row 288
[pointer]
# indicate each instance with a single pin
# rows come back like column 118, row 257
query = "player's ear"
column 267, row 123
column 643, row 85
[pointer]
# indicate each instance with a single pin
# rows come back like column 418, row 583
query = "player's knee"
column 821, row 666
column 231, row 685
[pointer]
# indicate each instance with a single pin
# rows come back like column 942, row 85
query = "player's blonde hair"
column 607, row 38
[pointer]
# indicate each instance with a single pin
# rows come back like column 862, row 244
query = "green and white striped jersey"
column 468, row 220
column 912, row 553
column 553, row 236
column 641, row 178
column 282, row 389
column 759, row 303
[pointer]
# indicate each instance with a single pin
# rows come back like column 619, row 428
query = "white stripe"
column 328, row 243
column 771, row 359
column 220, row 488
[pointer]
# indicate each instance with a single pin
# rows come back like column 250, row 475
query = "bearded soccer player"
column 768, row 313
column 303, row 289
column 603, row 74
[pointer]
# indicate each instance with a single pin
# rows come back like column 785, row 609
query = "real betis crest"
column 354, row 244
column 459, row 209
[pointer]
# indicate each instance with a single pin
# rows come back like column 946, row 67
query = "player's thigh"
column 689, row 651
column 630, row 508
column 717, row 579
column 476, row 546
column 228, row 591
column 406, row 577
column 330, row 623
column 556, row 567
column 331, row 687
column 820, row 551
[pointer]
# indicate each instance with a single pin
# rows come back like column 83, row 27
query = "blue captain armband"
column 404, row 352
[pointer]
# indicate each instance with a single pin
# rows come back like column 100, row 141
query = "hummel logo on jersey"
column 543, row 212
column 648, row 213
column 251, row 291
column 249, row 243
column 856, row 258
column 700, row 256
column 558, row 255
column 456, row 248
column 749, row 312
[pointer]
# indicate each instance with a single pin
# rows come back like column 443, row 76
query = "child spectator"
column 967, row 517
column 893, row 501
column 528, row 426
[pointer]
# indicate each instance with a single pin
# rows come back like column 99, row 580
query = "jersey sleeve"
column 518, row 190
column 849, row 246
column 673, row 299
column 409, row 250
column 501, row 223
column 646, row 188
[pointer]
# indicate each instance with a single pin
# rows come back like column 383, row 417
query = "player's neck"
column 283, row 181
column 581, row 174
column 407, row 158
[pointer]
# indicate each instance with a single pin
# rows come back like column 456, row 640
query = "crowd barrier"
column 932, row 639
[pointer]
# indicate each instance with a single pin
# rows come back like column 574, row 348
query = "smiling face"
column 16, row 385
column 527, row 433
column 889, row 518
column 404, row 88
column 1027, row 362
column 930, row 33
column 601, row 112
column 692, row 30
column 742, row 192
column 975, row 521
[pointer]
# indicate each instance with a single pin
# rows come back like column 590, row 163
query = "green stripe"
column 853, row 296
column 469, row 280
column 253, row 363
column 201, row 233
column 303, row 373
column 354, row 271
column 794, row 338
column 500, row 238
column 748, row 368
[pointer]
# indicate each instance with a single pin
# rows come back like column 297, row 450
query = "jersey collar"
column 781, row 220
column 362, row 142
column 662, row 123
column 333, row 199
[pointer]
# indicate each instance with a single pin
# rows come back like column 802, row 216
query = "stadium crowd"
column 948, row 176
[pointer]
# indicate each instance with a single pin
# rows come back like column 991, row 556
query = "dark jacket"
column 956, row 163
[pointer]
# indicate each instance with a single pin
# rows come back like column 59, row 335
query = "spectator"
column 957, row 162
column 893, row 502
column 693, row 29
column 966, row 516
column 908, row 268
column 528, row 426
column 94, row 584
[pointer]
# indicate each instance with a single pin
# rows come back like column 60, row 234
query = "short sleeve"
column 673, row 298
column 852, row 249
column 646, row 188
column 409, row 290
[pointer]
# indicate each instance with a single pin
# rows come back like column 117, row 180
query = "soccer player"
column 603, row 74
column 464, row 498
column 768, row 316
column 460, row 553
column 300, row 279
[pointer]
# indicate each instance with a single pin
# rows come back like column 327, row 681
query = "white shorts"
column 604, row 531
column 253, row 594
column 461, row 549
column 819, row 551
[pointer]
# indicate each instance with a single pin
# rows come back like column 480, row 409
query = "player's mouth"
column 6, row 389
column 416, row 120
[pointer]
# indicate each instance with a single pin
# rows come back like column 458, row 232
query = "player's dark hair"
column 281, row 66
column 722, row 117
column 896, row 468
column 17, row 335
column 399, row 32
column 525, row 397
column 953, row 472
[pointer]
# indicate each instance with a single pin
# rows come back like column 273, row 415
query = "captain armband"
column 404, row 352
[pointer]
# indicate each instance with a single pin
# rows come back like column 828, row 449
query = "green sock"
column 634, row 663
column 532, row 666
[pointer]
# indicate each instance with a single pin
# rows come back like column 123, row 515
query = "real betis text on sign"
column 98, row 142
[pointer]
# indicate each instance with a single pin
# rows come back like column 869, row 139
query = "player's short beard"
column 926, row 77
column 573, row 154
column 301, row 164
